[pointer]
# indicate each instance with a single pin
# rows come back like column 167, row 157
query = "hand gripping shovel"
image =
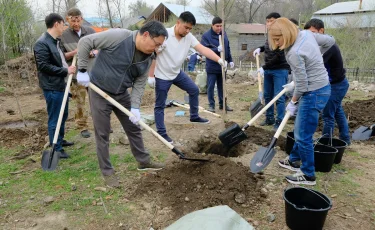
column 363, row 133
column 234, row 134
column 264, row 156
column 258, row 104
column 144, row 125
column 50, row 158
column 170, row 103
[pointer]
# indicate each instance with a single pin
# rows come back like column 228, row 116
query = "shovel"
column 258, row 104
column 363, row 133
column 264, row 156
column 234, row 134
column 143, row 125
column 170, row 103
column 50, row 158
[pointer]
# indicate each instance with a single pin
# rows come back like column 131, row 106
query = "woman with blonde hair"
column 303, row 51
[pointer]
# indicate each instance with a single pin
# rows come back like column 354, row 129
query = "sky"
column 89, row 8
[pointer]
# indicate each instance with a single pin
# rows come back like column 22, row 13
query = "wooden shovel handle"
column 282, row 124
column 260, row 88
column 201, row 109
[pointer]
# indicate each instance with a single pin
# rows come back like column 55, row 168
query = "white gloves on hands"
column 219, row 48
column 223, row 63
column 261, row 71
column 231, row 65
column 151, row 82
column 289, row 87
column 292, row 108
column 256, row 52
column 137, row 116
column 83, row 79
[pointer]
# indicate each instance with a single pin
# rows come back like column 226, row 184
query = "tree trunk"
column 109, row 14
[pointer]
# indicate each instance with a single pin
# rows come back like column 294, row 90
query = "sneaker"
column 267, row 122
column 167, row 138
column 66, row 143
column 211, row 109
column 85, row 133
column 276, row 125
column 300, row 178
column 111, row 181
column 227, row 108
column 151, row 166
column 63, row 154
column 200, row 120
column 286, row 163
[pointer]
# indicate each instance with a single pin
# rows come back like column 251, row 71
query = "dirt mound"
column 148, row 98
column 187, row 186
column 360, row 112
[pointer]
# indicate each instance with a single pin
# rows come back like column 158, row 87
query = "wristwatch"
column 82, row 70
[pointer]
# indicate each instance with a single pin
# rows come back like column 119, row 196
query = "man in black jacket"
column 275, row 71
column 52, row 70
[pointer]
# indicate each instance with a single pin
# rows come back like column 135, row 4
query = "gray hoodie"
column 306, row 61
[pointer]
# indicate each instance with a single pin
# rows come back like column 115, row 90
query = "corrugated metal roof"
column 246, row 28
column 201, row 15
column 363, row 20
column 348, row 7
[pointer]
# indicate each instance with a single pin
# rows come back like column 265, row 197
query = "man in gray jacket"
column 123, row 62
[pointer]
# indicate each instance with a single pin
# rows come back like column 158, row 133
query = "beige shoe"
column 112, row 181
column 151, row 166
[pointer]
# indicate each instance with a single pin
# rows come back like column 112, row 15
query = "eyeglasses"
column 156, row 44
column 75, row 18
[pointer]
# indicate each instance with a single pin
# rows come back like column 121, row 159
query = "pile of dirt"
column 187, row 186
column 237, row 76
column 148, row 98
column 360, row 112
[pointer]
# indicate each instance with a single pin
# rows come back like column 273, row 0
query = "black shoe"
column 167, row 138
column 286, row 163
column 63, row 154
column 66, row 143
column 276, row 125
column 300, row 178
column 85, row 133
column 200, row 120
column 211, row 109
column 267, row 122
column 228, row 108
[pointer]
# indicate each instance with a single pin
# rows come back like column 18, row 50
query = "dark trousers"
column 101, row 110
column 162, row 87
column 213, row 78
column 54, row 101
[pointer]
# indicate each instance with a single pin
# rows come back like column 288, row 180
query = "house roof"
column 247, row 28
column 347, row 7
column 131, row 21
column 202, row 16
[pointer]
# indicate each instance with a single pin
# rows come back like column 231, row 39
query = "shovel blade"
column 50, row 159
column 256, row 107
column 262, row 159
column 362, row 133
column 232, row 136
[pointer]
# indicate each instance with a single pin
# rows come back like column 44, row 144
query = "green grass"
column 2, row 89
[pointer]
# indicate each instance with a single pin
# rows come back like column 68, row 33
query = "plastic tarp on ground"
column 201, row 82
column 215, row 218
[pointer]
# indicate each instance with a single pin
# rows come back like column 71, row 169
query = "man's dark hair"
column 217, row 20
column 316, row 23
column 155, row 28
column 51, row 19
column 187, row 17
column 73, row 12
column 294, row 21
column 274, row 15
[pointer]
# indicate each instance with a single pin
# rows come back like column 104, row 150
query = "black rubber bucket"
column 289, row 142
column 305, row 209
column 338, row 144
column 324, row 156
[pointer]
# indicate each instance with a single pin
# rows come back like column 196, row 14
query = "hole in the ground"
column 214, row 146
column 18, row 124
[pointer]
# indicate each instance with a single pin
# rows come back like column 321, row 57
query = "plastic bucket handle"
column 304, row 208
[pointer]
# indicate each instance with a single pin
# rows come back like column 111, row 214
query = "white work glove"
column 231, row 64
column 83, row 79
column 292, row 108
column 151, row 82
column 289, row 87
column 137, row 116
column 261, row 71
column 219, row 48
column 223, row 63
column 256, row 52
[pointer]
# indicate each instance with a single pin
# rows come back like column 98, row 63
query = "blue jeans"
column 212, row 79
column 309, row 108
column 334, row 111
column 162, row 87
column 54, row 100
column 273, row 84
